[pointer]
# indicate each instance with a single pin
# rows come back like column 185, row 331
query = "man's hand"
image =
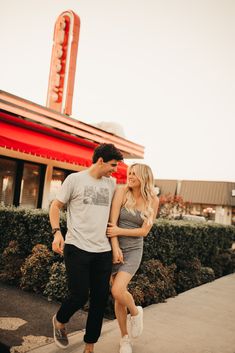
column 58, row 243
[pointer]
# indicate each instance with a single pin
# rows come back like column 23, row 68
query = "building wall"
column 223, row 215
column 205, row 198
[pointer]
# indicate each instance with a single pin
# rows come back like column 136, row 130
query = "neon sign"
column 63, row 63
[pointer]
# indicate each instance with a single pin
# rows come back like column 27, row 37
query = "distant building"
column 213, row 199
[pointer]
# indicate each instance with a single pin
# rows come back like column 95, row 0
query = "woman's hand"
column 112, row 230
column 117, row 256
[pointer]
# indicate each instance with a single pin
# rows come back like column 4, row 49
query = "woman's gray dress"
column 132, row 247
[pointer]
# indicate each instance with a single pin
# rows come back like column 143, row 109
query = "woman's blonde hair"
column 144, row 173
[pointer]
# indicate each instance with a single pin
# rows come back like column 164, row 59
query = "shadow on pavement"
column 28, row 314
column 4, row 348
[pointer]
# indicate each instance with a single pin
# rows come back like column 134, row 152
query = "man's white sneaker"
column 125, row 345
column 136, row 323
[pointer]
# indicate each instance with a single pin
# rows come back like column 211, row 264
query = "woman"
column 133, row 211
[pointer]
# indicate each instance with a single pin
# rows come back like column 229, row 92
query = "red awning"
column 48, row 146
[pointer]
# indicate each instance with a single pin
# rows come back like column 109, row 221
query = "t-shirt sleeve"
column 65, row 192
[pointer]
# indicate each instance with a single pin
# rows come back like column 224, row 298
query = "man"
column 87, row 251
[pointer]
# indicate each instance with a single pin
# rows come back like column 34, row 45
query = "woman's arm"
column 114, row 215
column 114, row 231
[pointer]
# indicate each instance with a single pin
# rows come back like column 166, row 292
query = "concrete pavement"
column 201, row 320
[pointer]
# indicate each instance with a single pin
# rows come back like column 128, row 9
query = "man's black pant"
column 88, row 276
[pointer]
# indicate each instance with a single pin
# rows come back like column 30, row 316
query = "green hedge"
column 28, row 227
column 177, row 256
column 169, row 241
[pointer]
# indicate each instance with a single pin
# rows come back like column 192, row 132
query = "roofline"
column 193, row 180
column 46, row 116
column 201, row 192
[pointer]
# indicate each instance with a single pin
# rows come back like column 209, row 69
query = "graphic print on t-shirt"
column 94, row 195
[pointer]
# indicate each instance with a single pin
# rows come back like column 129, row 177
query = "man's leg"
column 77, row 264
column 101, row 268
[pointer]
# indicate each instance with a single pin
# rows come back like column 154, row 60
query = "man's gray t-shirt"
column 88, row 205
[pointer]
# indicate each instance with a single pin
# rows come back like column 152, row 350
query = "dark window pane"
column 30, row 186
column 7, row 181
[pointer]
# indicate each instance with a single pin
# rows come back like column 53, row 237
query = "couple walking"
column 105, row 230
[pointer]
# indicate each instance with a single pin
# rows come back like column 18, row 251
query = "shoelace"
column 125, row 340
column 61, row 333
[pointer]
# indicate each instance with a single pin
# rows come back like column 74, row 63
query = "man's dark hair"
column 107, row 151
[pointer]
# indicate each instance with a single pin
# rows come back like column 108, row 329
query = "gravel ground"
column 25, row 319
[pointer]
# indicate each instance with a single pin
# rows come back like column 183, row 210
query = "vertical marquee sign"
column 63, row 63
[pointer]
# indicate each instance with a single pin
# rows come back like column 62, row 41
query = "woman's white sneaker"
column 125, row 345
column 136, row 323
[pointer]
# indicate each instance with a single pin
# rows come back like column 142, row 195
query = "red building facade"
column 39, row 147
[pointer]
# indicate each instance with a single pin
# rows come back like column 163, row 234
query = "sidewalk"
column 201, row 320
column 25, row 319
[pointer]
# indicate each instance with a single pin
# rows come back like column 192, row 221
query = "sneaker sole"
column 55, row 339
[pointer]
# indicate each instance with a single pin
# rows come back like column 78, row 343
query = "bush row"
column 177, row 256
column 172, row 240
column 28, row 227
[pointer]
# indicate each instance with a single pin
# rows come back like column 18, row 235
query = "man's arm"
column 54, row 214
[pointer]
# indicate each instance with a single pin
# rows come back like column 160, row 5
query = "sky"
column 162, row 69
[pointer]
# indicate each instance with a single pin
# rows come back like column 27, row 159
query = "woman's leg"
column 121, row 315
column 123, row 300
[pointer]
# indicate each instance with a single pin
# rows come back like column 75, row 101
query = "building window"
column 7, row 181
column 58, row 176
column 57, row 179
column 30, row 183
column 21, row 183
column 208, row 212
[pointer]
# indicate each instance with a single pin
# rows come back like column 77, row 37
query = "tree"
column 172, row 207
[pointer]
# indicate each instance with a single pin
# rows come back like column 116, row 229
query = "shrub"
column 194, row 252
column 57, row 287
column 13, row 226
column 172, row 206
column 207, row 274
column 167, row 240
column 190, row 274
column 29, row 227
column 153, row 283
column 11, row 262
column 224, row 262
column 35, row 270
column 171, row 240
